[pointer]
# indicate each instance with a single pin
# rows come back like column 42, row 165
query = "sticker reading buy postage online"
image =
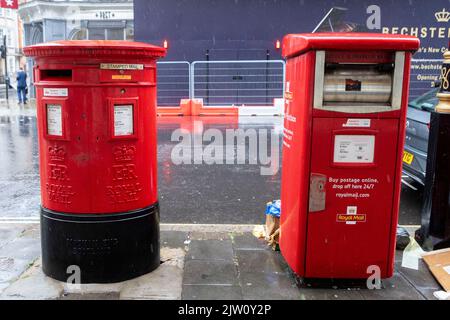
column 54, row 120
column 354, row 148
column 123, row 120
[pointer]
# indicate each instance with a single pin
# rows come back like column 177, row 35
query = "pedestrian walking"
column 22, row 86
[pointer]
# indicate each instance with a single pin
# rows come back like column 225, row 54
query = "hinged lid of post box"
column 295, row 44
column 95, row 49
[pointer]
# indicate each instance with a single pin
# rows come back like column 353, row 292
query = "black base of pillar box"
column 105, row 248
column 435, row 225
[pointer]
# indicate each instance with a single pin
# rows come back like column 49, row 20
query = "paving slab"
column 211, row 292
column 210, row 272
column 23, row 248
column 247, row 241
column 8, row 232
column 12, row 268
column 174, row 239
column 210, row 250
column 209, row 235
column 196, row 264
column 91, row 296
column 164, row 283
column 268, row 286
column 330, row 294
column 33, row 285
column 394, row 288
column 261, row 261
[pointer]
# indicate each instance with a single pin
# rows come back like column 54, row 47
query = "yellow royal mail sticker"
column 121, row 76
column 288, row 95
column 351, row 218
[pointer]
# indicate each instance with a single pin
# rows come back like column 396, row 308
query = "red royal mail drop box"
column 96, row 108
column 346, row 98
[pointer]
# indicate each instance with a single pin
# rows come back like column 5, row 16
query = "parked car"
column 417, row 131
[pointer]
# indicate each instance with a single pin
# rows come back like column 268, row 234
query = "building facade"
column 249, row 29
column 51, row 20
column 10, row 27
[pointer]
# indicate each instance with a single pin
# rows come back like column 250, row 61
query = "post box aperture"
column 96, row 107
column 346, row 97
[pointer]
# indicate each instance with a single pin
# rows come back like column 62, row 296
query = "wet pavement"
column 197, row 263
column 234, row 193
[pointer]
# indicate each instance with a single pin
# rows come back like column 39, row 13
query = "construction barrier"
column 221, row 88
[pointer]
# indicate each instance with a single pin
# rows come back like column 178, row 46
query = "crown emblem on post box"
column 56, row 153
column 442, row 16
column 124, row 153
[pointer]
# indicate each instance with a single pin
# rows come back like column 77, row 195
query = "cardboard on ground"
column 439, row 263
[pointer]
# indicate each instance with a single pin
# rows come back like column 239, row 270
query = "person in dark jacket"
column 22, row 86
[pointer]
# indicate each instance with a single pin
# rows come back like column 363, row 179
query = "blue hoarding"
column 248, row 29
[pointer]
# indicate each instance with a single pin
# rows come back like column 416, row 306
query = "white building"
column 50, row 20
column 10, row 26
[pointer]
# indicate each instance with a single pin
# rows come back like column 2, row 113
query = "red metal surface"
column 88, row 168
column 323, row 244
column 295, row 44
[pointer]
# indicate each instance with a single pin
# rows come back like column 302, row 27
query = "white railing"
column 173, row 82
column 237, row 82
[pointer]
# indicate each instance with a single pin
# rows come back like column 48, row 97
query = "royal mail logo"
column 442, row 16
column 351, row 218
column 288, row 95
column 56, row 153
column 124, row 153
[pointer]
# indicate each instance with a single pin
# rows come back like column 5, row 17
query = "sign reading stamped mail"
column 121, row 66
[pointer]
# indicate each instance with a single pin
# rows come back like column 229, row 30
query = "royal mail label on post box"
column 123, row 120
column 354, row 148
column 56, row 92
column 54, row 120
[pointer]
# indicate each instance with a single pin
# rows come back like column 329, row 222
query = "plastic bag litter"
column 274, row 208
column 273, row 212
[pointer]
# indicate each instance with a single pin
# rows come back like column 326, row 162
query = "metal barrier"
column 425, row 73
column 237, row 82
column 173, row 82
column 251, row 82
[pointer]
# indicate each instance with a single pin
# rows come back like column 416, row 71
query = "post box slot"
column 358, row 87
column 357, row 83
column 56, row 75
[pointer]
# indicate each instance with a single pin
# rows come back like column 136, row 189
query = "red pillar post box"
column 346, row 99
column 96, row 108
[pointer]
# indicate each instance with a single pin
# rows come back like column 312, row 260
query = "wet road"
column 190, row 192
